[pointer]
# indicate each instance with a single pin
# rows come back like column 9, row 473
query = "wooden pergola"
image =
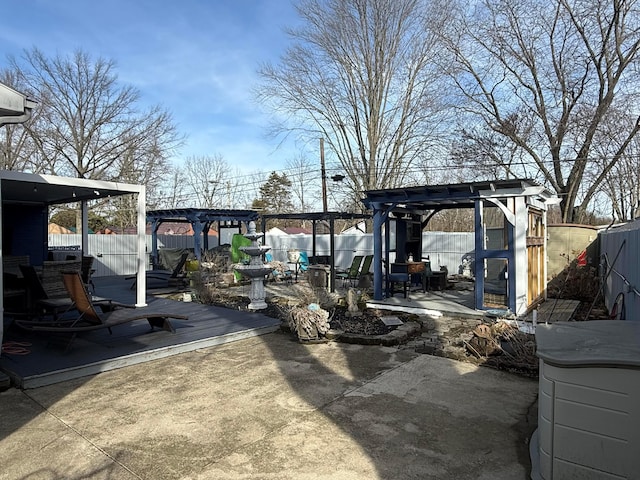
column 519, row 245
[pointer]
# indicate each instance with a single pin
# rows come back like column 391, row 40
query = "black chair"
column 86, row 271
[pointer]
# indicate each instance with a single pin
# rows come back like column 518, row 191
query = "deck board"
column 130, row 343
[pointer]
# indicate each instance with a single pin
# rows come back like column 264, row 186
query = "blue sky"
column 196, row 58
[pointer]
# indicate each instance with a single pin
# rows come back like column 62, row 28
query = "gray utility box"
column 588, row 402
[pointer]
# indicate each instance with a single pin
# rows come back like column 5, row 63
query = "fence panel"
column 116, row 254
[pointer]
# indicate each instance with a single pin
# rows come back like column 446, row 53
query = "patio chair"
column 303, row 262
column 352, row 272
column 88, row 318
column 41, row 303
column 52, row 276
column 168, row 278
column 86, row 271
column 399, row 274
column 365, row 269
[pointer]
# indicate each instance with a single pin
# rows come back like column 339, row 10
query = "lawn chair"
column 352, row 272
column 168, row 278
column 40, row 302
column 88, row 318
column 365, row 270
column 303, row 262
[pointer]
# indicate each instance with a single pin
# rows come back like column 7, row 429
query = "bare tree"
column 88, row 121
column 302, row 173
column 171, row 193
column 362, row 75
column 547, row 76
column 621, row 184
column 207, row 179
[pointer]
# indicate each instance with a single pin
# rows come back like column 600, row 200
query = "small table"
column 416, row 268
column 296, row 268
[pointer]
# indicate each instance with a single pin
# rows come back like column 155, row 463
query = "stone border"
column 395, row 337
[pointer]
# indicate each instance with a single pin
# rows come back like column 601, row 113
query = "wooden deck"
column 47, row 361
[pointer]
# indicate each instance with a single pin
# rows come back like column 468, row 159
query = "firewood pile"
column 309, row 322
column 504, row 346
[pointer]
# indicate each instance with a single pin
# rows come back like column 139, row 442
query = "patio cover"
column 19, row 188
column 427, row 200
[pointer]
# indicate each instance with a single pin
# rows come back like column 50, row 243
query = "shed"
column 510, row 240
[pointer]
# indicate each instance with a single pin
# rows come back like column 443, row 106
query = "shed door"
column 535, row 256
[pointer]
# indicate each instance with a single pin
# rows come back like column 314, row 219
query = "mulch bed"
column 369, row 322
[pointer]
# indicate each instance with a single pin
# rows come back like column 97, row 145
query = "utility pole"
column 324, row 176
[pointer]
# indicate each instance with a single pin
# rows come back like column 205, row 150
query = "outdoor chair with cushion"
column 398, row 274
column 88, row 318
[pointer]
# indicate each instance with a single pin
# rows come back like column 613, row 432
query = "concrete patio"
column 268, row 407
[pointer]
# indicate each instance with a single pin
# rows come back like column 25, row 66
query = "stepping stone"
column 391, row 321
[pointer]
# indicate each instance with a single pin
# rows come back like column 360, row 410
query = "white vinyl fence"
column 116, row 254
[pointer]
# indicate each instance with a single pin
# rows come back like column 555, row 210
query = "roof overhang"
column 14, row 106
column 427, row 198
column 316, row 216
column 34, row 189
column 202, row 215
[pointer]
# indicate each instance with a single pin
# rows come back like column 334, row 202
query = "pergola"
column 201, row 220
column 314, row 218
column 519, row 245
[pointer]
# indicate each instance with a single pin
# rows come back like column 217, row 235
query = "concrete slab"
column 271, row 408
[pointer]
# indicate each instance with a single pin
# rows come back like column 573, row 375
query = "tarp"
column 238, row 256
